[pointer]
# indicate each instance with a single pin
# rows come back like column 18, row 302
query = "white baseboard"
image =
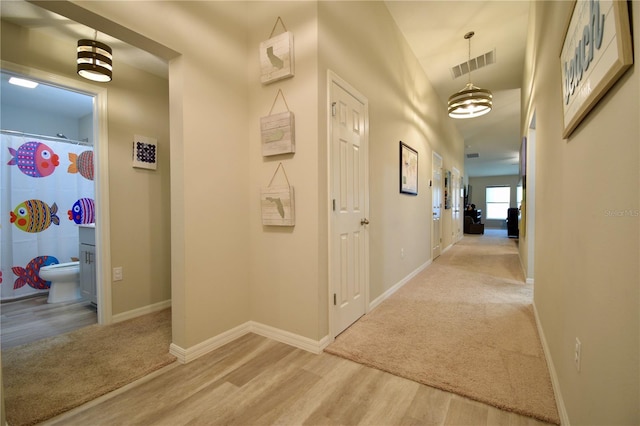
column 398, row 285
column 529, row 280
column 141, row 311
column 562, row 410
column 187, row 355
column 309, row 345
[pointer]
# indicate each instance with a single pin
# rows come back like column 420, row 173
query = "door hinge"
column 334, row 204
column 333, row 109
column 335, row 301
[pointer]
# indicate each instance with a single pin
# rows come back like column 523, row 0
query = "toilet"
column 65, row 281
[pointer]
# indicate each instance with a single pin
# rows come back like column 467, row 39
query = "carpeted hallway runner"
column 51, row 376
column 464, row 325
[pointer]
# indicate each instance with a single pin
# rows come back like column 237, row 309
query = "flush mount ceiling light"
column 94, row 60
column 471, row 101
column 23, row 83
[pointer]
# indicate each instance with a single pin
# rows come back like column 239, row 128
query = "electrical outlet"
column 117, row 273
column 577, row 353
column 402, row 253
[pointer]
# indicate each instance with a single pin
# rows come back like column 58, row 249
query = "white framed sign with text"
column 595, row 53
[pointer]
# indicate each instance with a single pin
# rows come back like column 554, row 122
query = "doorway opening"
column 64, row 120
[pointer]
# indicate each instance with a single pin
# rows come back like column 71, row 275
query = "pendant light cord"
column 468, row 37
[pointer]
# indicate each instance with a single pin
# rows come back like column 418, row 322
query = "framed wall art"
column 145, row 152
column 408, row 170
column 277, row 202
column 277, row 56
column 596, row 52
column 277, row 131
column 447, row 189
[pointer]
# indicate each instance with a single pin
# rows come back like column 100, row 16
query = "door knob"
column 364, row 221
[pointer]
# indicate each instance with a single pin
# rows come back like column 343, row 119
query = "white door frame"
column 101, row 150
column 332, row 78
column 530, row 204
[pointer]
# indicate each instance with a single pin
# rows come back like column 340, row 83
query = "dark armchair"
column 470, row 227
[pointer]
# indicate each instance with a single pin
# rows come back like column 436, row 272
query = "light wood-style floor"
column 257, row 381
column 27, row 320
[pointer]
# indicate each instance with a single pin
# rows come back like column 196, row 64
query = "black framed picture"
column 408, row 170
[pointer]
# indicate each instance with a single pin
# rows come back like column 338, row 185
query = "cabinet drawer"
column 87, row 235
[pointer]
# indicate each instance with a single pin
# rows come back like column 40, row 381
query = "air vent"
column 473, row 64
column 473, row 155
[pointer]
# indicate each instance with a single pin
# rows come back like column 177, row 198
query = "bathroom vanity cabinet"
column 88, row 264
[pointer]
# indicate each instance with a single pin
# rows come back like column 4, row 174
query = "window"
column 519, row 195
column 498, row 201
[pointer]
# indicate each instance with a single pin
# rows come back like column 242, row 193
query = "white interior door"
column 349, row 242
column 436, row 200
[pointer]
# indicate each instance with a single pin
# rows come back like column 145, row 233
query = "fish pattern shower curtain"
column 47, row 190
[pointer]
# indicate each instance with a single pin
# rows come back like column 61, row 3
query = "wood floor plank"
column 334, row 372
column 429, row 407
column 466, row 412
column 31, row 319
column 349, row 403
column 390, row 401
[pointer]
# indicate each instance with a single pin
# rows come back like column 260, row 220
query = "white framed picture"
column 145, row 152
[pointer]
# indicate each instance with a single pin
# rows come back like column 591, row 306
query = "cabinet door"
column 88, row 272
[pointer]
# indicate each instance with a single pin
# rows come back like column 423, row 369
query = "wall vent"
column 473, row 155
column 473, row 64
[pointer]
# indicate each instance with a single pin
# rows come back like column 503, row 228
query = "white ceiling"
column 434, row 30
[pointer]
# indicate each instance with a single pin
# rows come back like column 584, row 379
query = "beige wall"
column 361, row 43
column 139, row 202
column 586, row 256
column 287, row 275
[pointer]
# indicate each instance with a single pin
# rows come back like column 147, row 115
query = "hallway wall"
column 586, row 252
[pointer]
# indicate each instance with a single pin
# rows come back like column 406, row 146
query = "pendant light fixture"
column 471, row 101
column 94, row 60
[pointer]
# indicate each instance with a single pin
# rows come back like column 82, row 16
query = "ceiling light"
column 94, row 60
column 471, row 101
column 23, row 83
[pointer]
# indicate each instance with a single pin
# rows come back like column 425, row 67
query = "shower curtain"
column 47, row 190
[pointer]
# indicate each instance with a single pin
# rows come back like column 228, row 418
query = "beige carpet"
column 51, row 376
column 465, row 325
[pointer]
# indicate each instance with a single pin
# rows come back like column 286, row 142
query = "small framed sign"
column 145, row 152
column 278, row 134
column 277, row 202
column 276, row 58
column 277, row 205
column 596, row 52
